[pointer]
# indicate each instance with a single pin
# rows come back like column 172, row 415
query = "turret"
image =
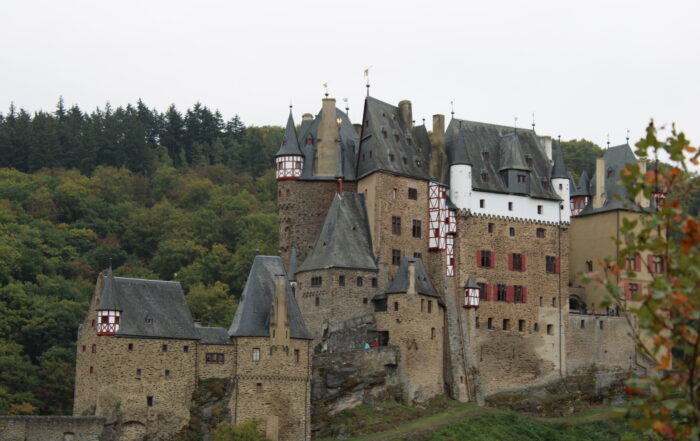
column 108, row 312
column 580, row 195
column 560, row 182
column 460, row 172
column 289, row 159
column 513, row 170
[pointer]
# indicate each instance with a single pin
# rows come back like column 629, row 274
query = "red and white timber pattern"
column 107, row 322
column 578, row 203
column 289, row 167
column 450, row 255
column 438, row 217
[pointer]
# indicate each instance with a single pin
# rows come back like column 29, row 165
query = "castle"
column 459, row 250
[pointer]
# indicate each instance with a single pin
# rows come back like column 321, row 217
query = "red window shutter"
column 493, row 259
column 488, row 291
column 556, row 265
column 522, row 259
column 637, row 262
column 650, row 263
column 510, row 261
column 524, row 289
column 478, row 259
column 510, row 293
column 626, row 287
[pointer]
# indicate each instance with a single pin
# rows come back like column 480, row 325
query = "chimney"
column 328, row 140
column 411, row 277
column 546, row 146
column 358, row 129
column 438, row 166
column 439, row 130
column 639, row 198
column 599, row 196
column 307, row 117
column 279, row 326
column 406, row 113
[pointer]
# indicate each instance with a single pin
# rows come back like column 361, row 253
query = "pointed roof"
column 400, row 284
column 212, row 336
column 511, row 153
column 149, row 308
column 252, row 317
column 290, row 142
column 559, row 169
column 582, row 188
column 479, row 144
column 349, row 142
column 388, row 145
column 344, row 240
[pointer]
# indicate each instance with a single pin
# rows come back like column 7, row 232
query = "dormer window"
column 384, row 134
column 610, row 173
column 391, row 157
column 484, row 177
column 396, row 138
column 521, row 178
column 545, row 184
column 309, row 141
column 485, row 155
column 149, row 320
column 405, row 160
column 528, row 159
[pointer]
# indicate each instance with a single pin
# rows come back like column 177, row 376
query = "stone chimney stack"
column 279, row 320
column 411, row 278
column 599, row 196
column 438, row 156
column 639, row 198
column 406, row 112
column 307, row 117
column 328, row 142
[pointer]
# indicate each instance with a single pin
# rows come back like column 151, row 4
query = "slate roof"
column 344, row 240
column 252, row 317
column 293, row 263
column 149, row 308
column 290, row 143
column 349, row 142
column 559, row 169
column 388, row 145
column 466, row 142
column 616, row 197
column 423, row 284
column 212, row 336
column 582, row 188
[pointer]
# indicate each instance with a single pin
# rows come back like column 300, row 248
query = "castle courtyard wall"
column 601, row 341
column 51, row 428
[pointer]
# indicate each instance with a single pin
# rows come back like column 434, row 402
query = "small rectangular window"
column 149, row 401
column 554, row 302
column 365, row 300
column 517, row 260
column 476, row 322
column 83, row 348
column 430, row 306
column 550, row 329
column 510, row 206
column 583, row 324
column 600, row 324
column 482, row 291
column 486, row 259
column 418, row 255
column 482, row 203
column 130, row 346
column 258, row 387
column 360, row 281
column 432, row 333
column 395, row 224
column 186, row 349
column 416, row 228
column 341, row 280
column 490, row 227
column 317, row 301
column 214, row 358
column 91, row 369
column 256, row 354
column 374, row 282
column 540, row 232
column 551, row 264
column 165, row 348
column 489, row 323
column 138, row 372
column 167, row 373
column 94, row 349
column 518, row 294
column 506, row 324
column 521, row 325
column 539, row 209
column 422, row 305
column 316, row 281
column 297, row 356
column 412, row 193
column 511, row 231
column 394, row 192
column 396, row 257
column 501, row 292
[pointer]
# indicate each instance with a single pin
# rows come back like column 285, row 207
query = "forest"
column 175, row 196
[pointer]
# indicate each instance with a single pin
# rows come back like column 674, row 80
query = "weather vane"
column 627, row 138
column 452, row 106
column 325, row 86
column 608, row 135
column 367, row 79
column 533, row 121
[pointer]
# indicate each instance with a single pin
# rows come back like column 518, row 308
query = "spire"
column 109, row 295
column 559, row 169
column 290, row 143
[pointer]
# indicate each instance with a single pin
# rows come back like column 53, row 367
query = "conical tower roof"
column 290, row 143
column 582, row 188
column 559, row 169
column 109, row 295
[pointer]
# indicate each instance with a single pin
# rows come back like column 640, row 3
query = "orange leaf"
column 665, row 362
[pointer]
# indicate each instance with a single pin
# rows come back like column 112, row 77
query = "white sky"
column 586, row 68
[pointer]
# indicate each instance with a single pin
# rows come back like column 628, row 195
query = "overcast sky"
column 585, row 68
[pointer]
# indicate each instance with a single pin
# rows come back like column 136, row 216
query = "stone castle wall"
column 302, row 207
column 532, row 349
column 51, row 428
column 336, row 303
column 603, row 341
column 275, row 388
column 212, row 369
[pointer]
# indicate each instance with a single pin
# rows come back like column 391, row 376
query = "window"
column 138, row 372
column 486, row 261
column 84, row 348
column 360, row 281
column 149, row 401
column 432, row 333
column 476, row 322
column 539, row 209
column 129, row 347
column 482, row 203
column 167, row 373
column 630, row 263
column 317, row 302
column 395, row 224
column 589, row 265
column 396, row 306
column 93, row 323
column 374, row 282
column 165, row 348
column 430, row 306
column 536, row 327
column 521, row 325
column 418, row 255
column 482, row 291
column 309, row 141
column 396, row 257
column 258, row 387
column 540, row 233
column 541, row 301
column 521, row 179
column 316, row 281
column 94, row 349
column 485, row 155
column 554, row 302
column 91, row 369
column 490, row 227
column 552, row 265
column 489, row 323
column 517, row 262
column 416, row 228
column 485, row 177
column 511, row 231
column 393, row 194
column 412, row 193
column 510, row 206
column 341, row 280
column 550, row 329
column 364, row 300
column 561, row 186
column 506, row 324
column 501, row 293
column 405, row 160
column 610, row 173
column 256, row 354
column 583, row 324
column 529, row 161
column 545, row 184
column 185, row 349
column 214, row 358
column 518, row 296
column 297, row 356
column 633, row 289
column 600, row 324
